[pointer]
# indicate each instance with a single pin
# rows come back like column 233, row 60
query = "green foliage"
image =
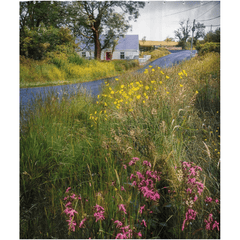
column 163, row 116
column 213, row 36
column 208, row 47
column 37, row 42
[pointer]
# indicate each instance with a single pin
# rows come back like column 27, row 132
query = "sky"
column 159, row 19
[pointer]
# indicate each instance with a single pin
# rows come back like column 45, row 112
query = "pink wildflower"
column 144, row 223
column 122, row 208
column 195, row 198
column 73, row 196
column 140, row 175
column 71, row 212
column 134, row 183
column 217, row 201
column 124, row 166
column 66, row 198
column 68, row 189
column 131, row 163
column 123, row 189
column 135, row 159
column 132, row 176
column 99, row 215
column 141, row 209
column 99, row 208
column 189, row 190
column 139, row 234
column 119, row 224
column 82, row 223
column 71, row 224
column 208, row 199
column 119, row 236
column 68, row 204
column 208, row 227
column 216, row 224
column 147, row 163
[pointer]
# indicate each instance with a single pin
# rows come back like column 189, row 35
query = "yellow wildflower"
column 181, row 85
column 122, row 86
column 162, row 72
column 147, row 87
column 160, row 82
column 167, row 77
column 196, row 92
column 138, row 96
column 130, row 110
column 143, row 101
column 116, row 79
column 150, row 66
column 167, row 92
column 112, row 92
column 153, row 70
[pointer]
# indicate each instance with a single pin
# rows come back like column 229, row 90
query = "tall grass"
column 62, row 69
column 163, row 116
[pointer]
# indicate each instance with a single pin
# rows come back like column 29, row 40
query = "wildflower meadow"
column 141, row 160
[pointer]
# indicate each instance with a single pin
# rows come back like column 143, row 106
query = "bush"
column 208, row 47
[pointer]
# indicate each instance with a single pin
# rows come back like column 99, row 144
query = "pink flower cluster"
column 191, row 174
column 209, row 221
column 146, row 182
column 99, row 214
column 70, row 212
column 133, row 161
column 190, row 215
column 125, row 232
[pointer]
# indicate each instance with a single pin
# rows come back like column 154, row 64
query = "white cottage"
column 127, row 48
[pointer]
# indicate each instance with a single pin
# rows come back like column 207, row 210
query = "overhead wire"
column 186, row 10
column 209, row 19
column 207, row 11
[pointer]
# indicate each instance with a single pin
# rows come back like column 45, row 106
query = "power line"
column 186, row 10
column 209, row 19
column 207, row 11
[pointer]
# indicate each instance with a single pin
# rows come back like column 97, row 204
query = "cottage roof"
column 126, row 43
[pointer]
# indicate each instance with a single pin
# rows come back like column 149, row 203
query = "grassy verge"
column 63, row 70
column 141, row 161
column 157, row 53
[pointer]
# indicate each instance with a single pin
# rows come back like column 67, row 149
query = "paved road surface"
column 27, row 95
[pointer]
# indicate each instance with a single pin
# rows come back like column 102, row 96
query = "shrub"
column 208, row 47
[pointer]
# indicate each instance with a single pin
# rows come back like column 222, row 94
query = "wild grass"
column 157, row 53
column 64, row 69
column 160, row 123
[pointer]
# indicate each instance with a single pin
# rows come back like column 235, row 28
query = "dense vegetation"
column 140, row 161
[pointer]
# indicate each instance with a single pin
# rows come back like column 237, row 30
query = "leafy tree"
column 38, row 41
column 183, row 33
column 213, row 36
column 99, row 23
column 169, row 39
column 199, row 32
column 37, row 18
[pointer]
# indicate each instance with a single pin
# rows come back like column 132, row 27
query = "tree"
column 200, row 32
column 213, row 36
column 98, row 22
column 33, row 16
column 183, row 33
column 169, row 39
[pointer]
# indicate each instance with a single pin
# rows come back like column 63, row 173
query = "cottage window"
column 84, row 54
column 122, row 55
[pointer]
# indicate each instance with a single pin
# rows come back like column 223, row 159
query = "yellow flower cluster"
column 127, row 95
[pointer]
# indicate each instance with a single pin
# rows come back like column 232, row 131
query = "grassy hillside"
column 140, row 161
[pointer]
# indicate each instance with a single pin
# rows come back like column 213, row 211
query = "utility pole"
column 193, row 29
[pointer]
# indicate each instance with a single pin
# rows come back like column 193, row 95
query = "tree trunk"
column 97, row 53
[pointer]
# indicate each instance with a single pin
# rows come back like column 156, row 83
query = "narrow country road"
column 28, row 95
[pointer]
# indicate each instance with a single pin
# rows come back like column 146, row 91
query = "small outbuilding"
column 127, row 48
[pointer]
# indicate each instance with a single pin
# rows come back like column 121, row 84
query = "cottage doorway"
column 108, row 56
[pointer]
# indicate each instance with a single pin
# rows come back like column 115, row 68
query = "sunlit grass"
column 162, row 116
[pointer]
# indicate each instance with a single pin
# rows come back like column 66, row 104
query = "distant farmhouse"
column 151, row 45
column 126, row 48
